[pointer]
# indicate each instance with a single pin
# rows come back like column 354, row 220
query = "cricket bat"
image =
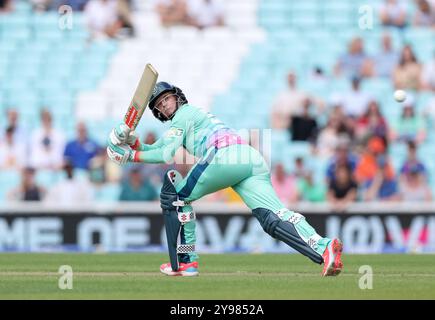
column 141, row 97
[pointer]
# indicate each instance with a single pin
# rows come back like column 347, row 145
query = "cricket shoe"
column 332, row 258
column 184, row 269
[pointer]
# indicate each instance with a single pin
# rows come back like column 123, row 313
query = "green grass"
column 230, row 276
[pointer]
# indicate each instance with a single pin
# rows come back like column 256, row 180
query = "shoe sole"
column 180, row 273
column 337, row 265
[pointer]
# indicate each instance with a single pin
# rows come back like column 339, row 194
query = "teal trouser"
column 238, row 166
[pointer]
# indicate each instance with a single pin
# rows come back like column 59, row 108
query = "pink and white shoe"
column 184, row 269
column 332, row 258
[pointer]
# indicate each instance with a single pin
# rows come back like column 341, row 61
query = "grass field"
column 136, row 276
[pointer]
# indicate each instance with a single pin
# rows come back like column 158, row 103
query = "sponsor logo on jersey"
column 174, row 132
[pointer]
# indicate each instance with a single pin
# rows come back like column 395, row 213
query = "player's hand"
column 121, row 154
column 133, row 140
column 119, row 134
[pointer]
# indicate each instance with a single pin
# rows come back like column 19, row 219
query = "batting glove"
column 119, row 134
column 120, row 154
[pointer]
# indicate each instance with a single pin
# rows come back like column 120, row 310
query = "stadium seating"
column 50, row 64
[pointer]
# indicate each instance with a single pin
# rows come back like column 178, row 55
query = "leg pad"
column 286, row 232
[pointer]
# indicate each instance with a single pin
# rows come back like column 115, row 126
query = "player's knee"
column 168, row 193
column 267, row 218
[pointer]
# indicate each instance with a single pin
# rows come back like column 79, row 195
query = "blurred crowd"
column 81, row 165
column 113, row 18
column 356, row 135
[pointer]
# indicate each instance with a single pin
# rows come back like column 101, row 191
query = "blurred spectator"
column 71, row 191
column 342, row 190
column 412, row 162
column 13, row 153
column 172, row 12
column 392, row 13
column 40, row 5
column 28, row 189
column 355, row 102
column 372, row 123
column 355, row 62
column 299, row 170
column 383, row 186
column 82, row 149
column 372, row 161
column 410, row 126
column 346, row 126
column 342, row 157
column 413, row 186
column 331, row 136
column 136, row 188
column 385, row 61
column 428, row 74
column 47, row 145
column 288, row 103
column 102, row 18
column 310, row 190
column 19, row 133
column 407, row 74
column 304, row 127
column 284, row 185
column 76, row 5
column 97, row 168
column 424, row 15
column 5, row 5
column 102, row 170
column 125, row 17
column 205, row 13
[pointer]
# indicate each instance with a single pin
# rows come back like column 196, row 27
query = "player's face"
column 167, row 104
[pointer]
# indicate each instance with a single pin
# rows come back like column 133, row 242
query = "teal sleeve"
column 164, row 149
column 146, row 147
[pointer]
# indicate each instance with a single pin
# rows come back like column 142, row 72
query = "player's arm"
column 160, row 152
column 139, row 146
column 163, row 150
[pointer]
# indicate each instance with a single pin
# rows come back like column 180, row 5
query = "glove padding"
column 122, row 134
column 120, row 154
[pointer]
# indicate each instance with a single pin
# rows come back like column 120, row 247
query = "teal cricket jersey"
column 192, row 128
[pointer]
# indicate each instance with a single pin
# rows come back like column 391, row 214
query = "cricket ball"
column 400, row 95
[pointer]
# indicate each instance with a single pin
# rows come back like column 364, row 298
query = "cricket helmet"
column 162, row 88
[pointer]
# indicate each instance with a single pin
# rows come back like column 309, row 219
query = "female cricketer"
column 225, row 160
